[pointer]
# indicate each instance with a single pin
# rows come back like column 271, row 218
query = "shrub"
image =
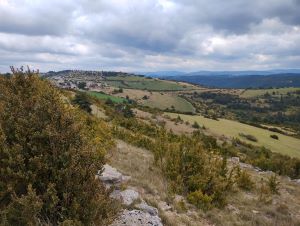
column 264, row 192
column 274, row 129
column 200, row 200
column 244, row 180
column 82, row 100
column 189, row 163
column 274, row 136
column 81, row 85
column 249, row 137
column 196, row 125
column 273, row 184
column 109, row 101
column 49, row 155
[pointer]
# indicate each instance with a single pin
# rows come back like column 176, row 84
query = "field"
column 285, row 145
column 142, row 83
column 259, row 92
column 163, row 101
column 106, row 96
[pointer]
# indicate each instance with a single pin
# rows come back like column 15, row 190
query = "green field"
column 127, row 78
column 259, row 92
column 136, row 82
column 285, row 145
column 163, row 101
column 103, row 96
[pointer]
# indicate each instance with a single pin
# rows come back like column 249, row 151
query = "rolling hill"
column 246, row 81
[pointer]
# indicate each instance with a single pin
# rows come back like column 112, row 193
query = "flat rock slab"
column 297, row 181
column 137, row 218
column 127, row 197
column 111, row 176
column 146, row 208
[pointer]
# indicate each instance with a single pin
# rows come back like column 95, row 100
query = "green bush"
column 200, row 200
column 49, row 155
column 273, row 184
column 244, row 180
column 274, row 136
column 196, row 125
column 82, row 100
column 249, row 137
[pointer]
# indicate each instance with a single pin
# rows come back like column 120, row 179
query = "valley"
column 169, row 153
column 149, row 113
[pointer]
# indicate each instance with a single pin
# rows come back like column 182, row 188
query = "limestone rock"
column 246, row 166
column 146, row 208
column 111, row 176
column 235, row 160
column 127, row 197
column 297, row 181
column 137, row 218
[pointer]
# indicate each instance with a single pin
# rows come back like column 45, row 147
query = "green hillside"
column 285, row 144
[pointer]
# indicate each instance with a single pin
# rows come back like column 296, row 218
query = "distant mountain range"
column 247, row 81
column 219, row 73
column 218, row 79
column 234, row 79
column 161, row 73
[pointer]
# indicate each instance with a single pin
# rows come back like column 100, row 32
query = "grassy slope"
column 163, row 101
column 158, row 100
column 135, row 82
column 285, row 145
column 244, row 206
column 106, row 96
column 259, row 92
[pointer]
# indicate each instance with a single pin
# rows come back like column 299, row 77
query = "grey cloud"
column 235, row 16
column 144, row 34
column 36, row 18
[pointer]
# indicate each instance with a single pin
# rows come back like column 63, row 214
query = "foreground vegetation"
column 51, row 147
column 49, row 156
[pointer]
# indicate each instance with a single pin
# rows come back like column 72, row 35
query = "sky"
column 150, row 35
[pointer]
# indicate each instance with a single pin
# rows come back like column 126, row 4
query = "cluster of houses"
column 72, row 79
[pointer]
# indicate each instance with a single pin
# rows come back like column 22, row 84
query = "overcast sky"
column 150, row 35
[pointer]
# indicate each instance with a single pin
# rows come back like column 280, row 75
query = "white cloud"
column 150, row 34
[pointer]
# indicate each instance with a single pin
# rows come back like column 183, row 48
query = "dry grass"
column 285, row 145
column 99, row 113
column 150, row 183
column 138, row 163
column 259, row 92
column 244, row 208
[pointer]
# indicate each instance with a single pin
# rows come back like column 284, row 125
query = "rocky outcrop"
column 137, row 218
column 146, row 208
column 110, row 176
column 142, row 214
column 127, row 197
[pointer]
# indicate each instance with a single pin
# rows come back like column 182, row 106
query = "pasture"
column 249, row 93
column 104, row 96
column 143, row 83
column 165, row 100
column 285, row 145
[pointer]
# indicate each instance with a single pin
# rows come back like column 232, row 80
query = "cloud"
column 134, row 35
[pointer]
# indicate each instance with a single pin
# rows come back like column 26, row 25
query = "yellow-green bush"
column 49, row 155
column 244, row 180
